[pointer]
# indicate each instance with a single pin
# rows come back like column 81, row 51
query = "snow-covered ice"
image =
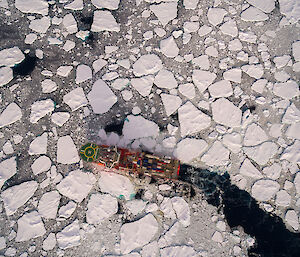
column 8, row 168
column 202, row 79
column 234, row 75
column 217, row 155
column 60, row 118
column 147, row 64
column 136, row 206
column 39, row 145
column 6, row 75
column 249, row 170
column 75, row 99
column 107, row 4
column 11, row 56
column 69, row 236
column 292, row 153
column 165, row 79
column 169, row 47
column 76, row 185
column 273, row 171
column 10, row 115
column 50, row 242
column 220, row 88
column 104, row 21
column 182, row 210
column 36, row 6
column 143, row 84
column 291, row 218
column 254, row 135
column 66, row 150
column 165, row 12
column 215, row 16
column 177, row 251
column 41, row 164
column 39, row 109
column 287, row 90
column 70, row 23
column 40, row 25
column 48, row 86
column 66, row 211
column 254, row 14
column 264, row 189
column 83, row 73
column 171, row 103
column 48, row 205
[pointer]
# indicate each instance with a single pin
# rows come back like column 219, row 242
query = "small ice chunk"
column 6, row 75
column 204, row 30
column 182, row 210
column 30, row 225
column 66, row 151
column 229, row 28
column 254, row 135
column 70, row 23
column 189, row 149
column 101, row 207
column 68, row 46
column 165, row 79
column 104, row 21
column 8, row 148
column 248, row 37
column 99, row 64
column 259, row 85
column 281, row 61
column 40, row 25
column 273, row 171
column 48, row 86
column 67, row 210
column 147, row 64
column 60, row 118
column 120, row 84
column 217, row 155
column 191, row 119
column 116, row 185
column 48, row 204
column 50, row 242
column 296, row 50
column 188, row 90
column 165, row 12
column 283, row 198
column 215, row 16
column 171, row 103
column 76, row 5
column 249, row 170
column 169, row 142
column 16, row 196
column 286, row 90
column 35, row 6
column 264, row 189
column 211, row 51
column 135, row 206
column 297, row 182
column 234, row 75
column 69, row 236
column 202, row 79
column 64, row 71
column 8, row 168
column 106, row 4
column 190, row 4
column 83, row 73
column 39, row 109
column 226, row 113
column 41, row 164
column 138, row 127
column 76, row 185
column 235, row 45
column 217, row 237
column 292, row 115
column 177, row 251
column 202, row 62
column 255, row 70
column 220, row 88
column 253, row 14
column 10, row 115
column 261, row 153
column 125, row 63
column 293, row 131
column 75, row 99
column 232, row 141
column 266, row 6
column 291, row 218
column 292, row 153
column 169, row 47
column 2, row 243
column 39, row 145
column 191, row 26
column 101, row 97
column 138, row 233
column 11, row 56
column 143, row 84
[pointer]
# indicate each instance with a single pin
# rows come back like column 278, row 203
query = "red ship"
column 122, row 159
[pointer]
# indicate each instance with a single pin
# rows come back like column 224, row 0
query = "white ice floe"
column 99, row 64
column 283, row 198
column 165, row 12
column 35, row 6
column 76, row 5
column 60, row 118
column 220, row 88
column 165, row 79
column 147, row 64
column 138, row 233
column 188, row 90
column 48, row 86
column 226, row 113
column 101, row 207
column 67, row 210
column 116, row 185
column 281, row 61
column 169, row 142
column 204, row 30
column 171, row 103
column 75, row 99
column 178, row 251
column 191, row 119
column 39, row 145
column 168, row 237
column 259, row 85
column 48, row 205
column 292, row 153
column 143, row 84
column 41, row 164
column 120, row 84
column 202, row 62
column 286, row 90
column 189, row 148
column 229, row 28
column 137, row 127
column 291, row 217
column 232, row 141
column 215, row 16
column 266, row 6
column 273, row 171
column 217, row 155
column 254, row 135
column 217, row 237
column 254, row 14
column 83, row 73
column 202, row 79
column 291, row 10
column 11, row 56
column 6, row 75
column 50, row 242
column 212, row 51
column 264, row 189
column 296, row 50
column 39, row 109
column 8, row 168
column 16, row 196
column 182, row 210
column 107, row 4
column 70, row 23
column 40, row 25
column 190, row 4
column 64, row 71
column 297, row 182
column 150, row 250
column 2, row 243
column 69, row 236
column 234, row 75
column 10, row 115
column 292, row 115
column 255, row 70
column 248, row 37
column 249, row 170
column 66, row 151
column 135, row 206
column 169, row 47
column 293, row 131
column 76, row 185
column 8, row 148
column 104, row 21
column 30, row 225
column 262, row 153
column 191, row 26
